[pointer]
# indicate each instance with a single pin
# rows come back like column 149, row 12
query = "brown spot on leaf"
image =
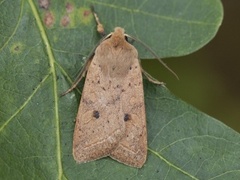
column 44, row 4
column 17, row 48
column 86, row 13
column 48, row 19
column 65, row 20
column 69, row 7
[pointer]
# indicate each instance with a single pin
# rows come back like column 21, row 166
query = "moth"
column 111, row 119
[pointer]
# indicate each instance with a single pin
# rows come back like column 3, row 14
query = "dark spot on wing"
column 127, row 117
column 96, row 114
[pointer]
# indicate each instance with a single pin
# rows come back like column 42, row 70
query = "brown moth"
column 111, row 119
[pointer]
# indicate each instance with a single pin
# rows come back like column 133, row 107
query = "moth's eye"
column 129, row 39
column 126, row 38
column 108, row 36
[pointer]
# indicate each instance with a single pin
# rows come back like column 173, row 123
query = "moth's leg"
column 79, row 78
column 152, row 79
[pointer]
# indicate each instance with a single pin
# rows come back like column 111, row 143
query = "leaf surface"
column 42, row 47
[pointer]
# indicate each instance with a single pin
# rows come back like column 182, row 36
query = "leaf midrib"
column 53, row 72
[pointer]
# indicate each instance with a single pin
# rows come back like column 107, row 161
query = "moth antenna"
column 100, row 27
column 154, row 54
column 81, row 74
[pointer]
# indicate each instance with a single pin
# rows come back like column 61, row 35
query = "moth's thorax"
column 115, row 55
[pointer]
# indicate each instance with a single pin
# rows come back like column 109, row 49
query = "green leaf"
column 42, row 49
column 170, row 28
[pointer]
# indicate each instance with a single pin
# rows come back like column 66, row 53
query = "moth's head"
column 119, row 30
column 117, row 37
column 118, row 33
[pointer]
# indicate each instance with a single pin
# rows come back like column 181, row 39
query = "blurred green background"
column 210, row 77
